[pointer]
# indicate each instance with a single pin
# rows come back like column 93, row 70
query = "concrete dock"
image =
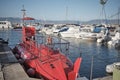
column 10, row 69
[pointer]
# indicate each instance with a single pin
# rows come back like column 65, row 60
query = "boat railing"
column 57, row 44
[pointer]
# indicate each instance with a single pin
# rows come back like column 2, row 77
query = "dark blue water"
column 102, row 55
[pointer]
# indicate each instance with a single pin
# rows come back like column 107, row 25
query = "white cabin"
column 5, row 25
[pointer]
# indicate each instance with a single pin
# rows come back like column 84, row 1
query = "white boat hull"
column 85, row 36
column 70, row 32
column 66, row 34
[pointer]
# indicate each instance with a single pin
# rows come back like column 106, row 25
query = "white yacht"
column 5, row 25
column 58, row 29
column 70, row 32
column 87, row 33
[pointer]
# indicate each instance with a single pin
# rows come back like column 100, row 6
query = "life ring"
column 49, row 40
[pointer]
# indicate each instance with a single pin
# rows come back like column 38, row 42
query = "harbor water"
column 101, row 55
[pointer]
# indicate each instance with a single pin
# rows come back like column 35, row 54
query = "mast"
column 24, row 13
column 118, row 17
column 66, row 12
column 103, row 13
column 118, row 21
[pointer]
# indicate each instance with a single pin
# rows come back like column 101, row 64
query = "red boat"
column 42, row 60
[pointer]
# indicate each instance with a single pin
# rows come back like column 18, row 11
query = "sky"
column 83, row 10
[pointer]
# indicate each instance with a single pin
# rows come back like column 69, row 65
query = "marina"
column 64, row 41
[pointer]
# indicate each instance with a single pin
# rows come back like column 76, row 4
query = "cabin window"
column 2, row 22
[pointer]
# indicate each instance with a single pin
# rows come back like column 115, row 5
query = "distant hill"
column 96, row 21
column 11, row 19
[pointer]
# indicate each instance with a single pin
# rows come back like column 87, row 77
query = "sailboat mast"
column 118, row 17
column 103, row 2
column 66, row 12
column 119, row 21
